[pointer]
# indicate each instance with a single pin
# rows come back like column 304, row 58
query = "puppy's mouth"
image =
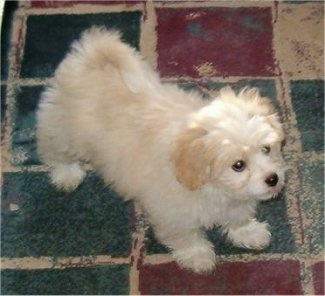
column 273, row 193
column 270, row 194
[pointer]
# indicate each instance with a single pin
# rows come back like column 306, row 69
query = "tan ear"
column 191, row 159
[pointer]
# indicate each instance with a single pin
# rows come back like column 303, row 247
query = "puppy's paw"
column 67, row 177
column 254, row 235
column 200, row 258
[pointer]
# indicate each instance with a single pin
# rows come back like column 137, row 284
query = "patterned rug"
column 90, row 241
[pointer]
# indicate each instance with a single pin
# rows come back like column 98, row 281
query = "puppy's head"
column 233, row 143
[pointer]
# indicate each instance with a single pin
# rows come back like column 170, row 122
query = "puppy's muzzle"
column 272, row 180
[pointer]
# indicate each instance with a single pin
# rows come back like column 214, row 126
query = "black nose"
column 272, row 180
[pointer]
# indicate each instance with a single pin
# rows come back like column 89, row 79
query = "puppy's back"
column 102, row 50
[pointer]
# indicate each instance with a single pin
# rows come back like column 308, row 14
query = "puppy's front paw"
column 254, row 235
column 200, row 258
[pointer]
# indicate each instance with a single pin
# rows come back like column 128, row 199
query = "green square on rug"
column 100, row 280
column 48, row 37
column 37, row 220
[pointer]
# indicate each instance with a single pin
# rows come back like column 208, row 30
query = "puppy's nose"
column 272, row 180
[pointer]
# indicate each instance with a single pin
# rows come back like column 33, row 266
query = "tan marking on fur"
column 246, row 148
column 192, row 160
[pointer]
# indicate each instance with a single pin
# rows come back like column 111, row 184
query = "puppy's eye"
column 266, row 149
column 239, row 166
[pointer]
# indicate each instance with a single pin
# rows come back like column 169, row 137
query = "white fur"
column 67, row 176
column 253, row 235
column 168, row 149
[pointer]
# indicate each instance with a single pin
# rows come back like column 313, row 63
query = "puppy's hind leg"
column 55, row 149
column 67, row 176
column 66, row 172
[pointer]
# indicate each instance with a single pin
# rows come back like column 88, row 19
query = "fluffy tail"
column 99, row 47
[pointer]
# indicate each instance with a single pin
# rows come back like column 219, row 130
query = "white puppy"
column 191, row 163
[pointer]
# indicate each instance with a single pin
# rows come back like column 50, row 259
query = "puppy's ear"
column 274, row 121
column 227, row 92
column 259, row 105
column 192, row 159
column 265, row 107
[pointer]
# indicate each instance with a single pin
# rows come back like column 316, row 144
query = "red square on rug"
column 238, row 278
column 60, row 3
column 205, row 42
column 318, row 277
